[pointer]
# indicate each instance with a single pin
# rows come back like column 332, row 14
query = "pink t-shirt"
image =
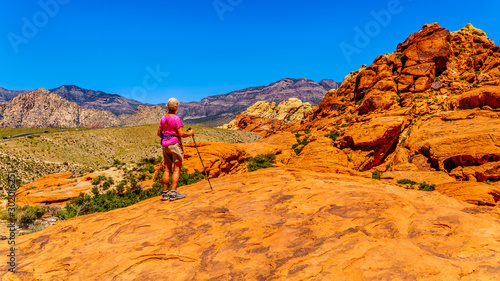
column 170, row 125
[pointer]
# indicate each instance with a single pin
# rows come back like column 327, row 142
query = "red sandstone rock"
column 278, row 223
column 472, row 192
column 54, row 189
column 282, row 223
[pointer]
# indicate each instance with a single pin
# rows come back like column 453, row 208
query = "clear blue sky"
column 208, row 47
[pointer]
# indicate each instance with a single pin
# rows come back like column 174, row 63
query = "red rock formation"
column 54, row 189
column 318, row 214
column 278, row 223
column 267, row 118
column 220, row 159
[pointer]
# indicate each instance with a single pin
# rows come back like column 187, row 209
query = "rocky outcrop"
column 264, row 117
column 278, row 223
column 430, row 107
column 229, row 105
column 143, row 115
column 463, row 143
column 42, row 109
column 221, row 159
column 54, row 189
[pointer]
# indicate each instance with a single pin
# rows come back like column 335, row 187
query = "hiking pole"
column 202, row 163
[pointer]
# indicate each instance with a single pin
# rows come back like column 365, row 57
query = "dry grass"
column 82, row 151
column 7, row 132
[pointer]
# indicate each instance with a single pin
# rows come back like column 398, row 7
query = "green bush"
column 376, row 175
column 333, row 135
column 121, row 197
column 406, row 182
column 421, row 186
column 304, row 141
column 27, row 218
column 149, row 167
column 116, row 163
column 261, row 161
column 106, row 185
column 426, row 187
column 97, row 180
column 37, row 211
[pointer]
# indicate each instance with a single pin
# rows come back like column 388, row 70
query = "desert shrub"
column 261, row 161
column 35, row 228
column 37, row 211
column 376, row 175
column 143, row 176
column 97, row 180
column 121, row 197
column 27, row 218
column 426, row 187
column 116, row 163
column 304, row 141
column 406, row 182
column 149, row 167
column 106, row 185
column 51, row 210
column 333, row 135
column 421, row 186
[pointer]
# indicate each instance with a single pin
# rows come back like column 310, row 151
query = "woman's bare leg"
column 176, row 174
column 166, row 177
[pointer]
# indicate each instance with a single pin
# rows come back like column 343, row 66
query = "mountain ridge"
column 217, row 107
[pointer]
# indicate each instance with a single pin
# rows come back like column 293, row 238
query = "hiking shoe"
column 174, row 195
column 165, row 196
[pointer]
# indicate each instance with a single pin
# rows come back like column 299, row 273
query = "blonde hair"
column 172, row 104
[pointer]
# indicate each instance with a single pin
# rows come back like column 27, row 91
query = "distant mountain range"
column 72, row 106
column 85, row 98
column 231, row 104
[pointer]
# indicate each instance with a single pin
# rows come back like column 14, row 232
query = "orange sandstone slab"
column 54, row 189
column 275, row 224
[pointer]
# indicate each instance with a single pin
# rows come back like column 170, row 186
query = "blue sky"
column 151, row 50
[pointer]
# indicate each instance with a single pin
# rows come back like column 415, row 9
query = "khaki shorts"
column 173, row 153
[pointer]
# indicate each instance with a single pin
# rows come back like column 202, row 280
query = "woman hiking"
column 171, row 133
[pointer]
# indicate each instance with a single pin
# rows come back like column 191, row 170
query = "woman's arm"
column 182, row 134
column 159, row 131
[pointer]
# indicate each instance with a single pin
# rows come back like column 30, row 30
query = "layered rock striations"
column 266, row 118
column 430, row 105
column 279, row 223
column 430, row 109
